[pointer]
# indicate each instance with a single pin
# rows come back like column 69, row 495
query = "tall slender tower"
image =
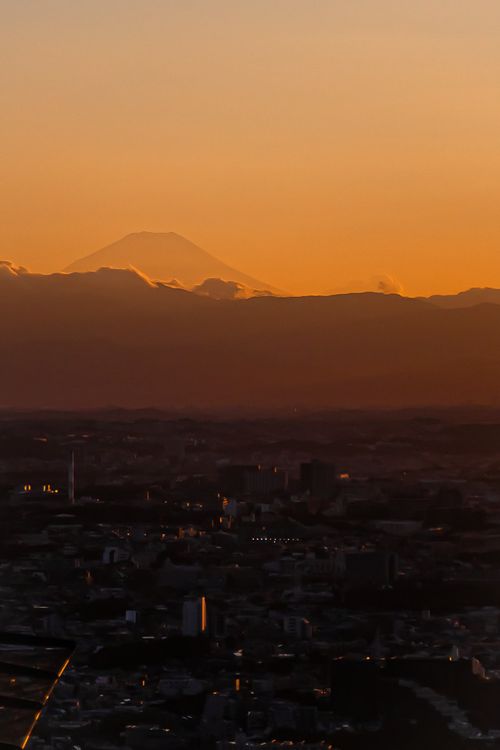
column 71, row 478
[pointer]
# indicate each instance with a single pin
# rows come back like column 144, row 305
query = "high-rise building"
column 367, row 568
column 194, row 617
column 253, row 479
column 297, row 627
column 319, row 478
column 71, row 478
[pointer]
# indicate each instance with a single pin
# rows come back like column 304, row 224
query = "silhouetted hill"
column 469, row 298
column 115, row 337
column 164, row 256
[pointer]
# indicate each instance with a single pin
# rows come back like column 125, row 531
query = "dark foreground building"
column 30, row 668
column 450, row 702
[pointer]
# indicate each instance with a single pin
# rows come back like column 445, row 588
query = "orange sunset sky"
column 311, row 143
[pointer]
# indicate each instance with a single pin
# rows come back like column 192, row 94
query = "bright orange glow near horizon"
column 314, row 145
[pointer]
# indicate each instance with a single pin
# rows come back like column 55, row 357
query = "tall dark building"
column 370, row 568
column 253, row 480
column 319, row 478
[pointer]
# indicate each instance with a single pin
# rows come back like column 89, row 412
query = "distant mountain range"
column 114, row 337
column 469, row 298
column 165, row 256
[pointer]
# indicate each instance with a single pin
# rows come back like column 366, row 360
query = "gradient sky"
column 314, row 144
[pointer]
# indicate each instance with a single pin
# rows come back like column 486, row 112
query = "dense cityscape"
column 298, row 581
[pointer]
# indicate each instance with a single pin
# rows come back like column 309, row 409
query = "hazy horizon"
column 380, row 283
column 315, row 146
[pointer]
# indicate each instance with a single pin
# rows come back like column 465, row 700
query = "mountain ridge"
column 162, row 256
column 115, row 336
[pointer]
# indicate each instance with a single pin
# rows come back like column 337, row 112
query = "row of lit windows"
column 273, row 539
column 46, row 488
